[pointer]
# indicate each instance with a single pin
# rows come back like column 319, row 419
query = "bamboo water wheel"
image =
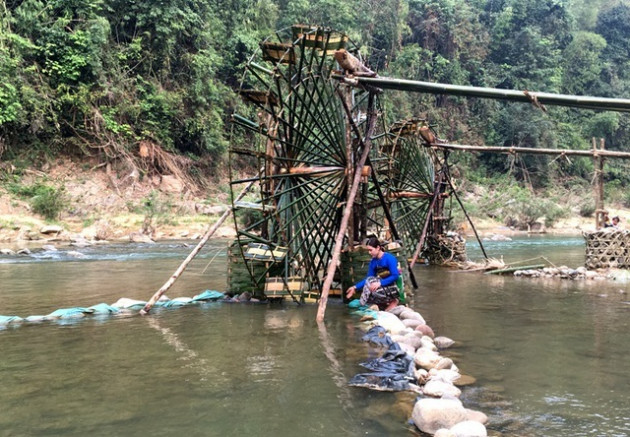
column 305, row 151
column 310, row 129
column 410, row 168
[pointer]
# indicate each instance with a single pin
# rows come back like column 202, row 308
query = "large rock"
column 429, row 415
column 139, row 237
column 438, row 388
column 447, row 375
column 411, row 314
column 465, row 380
column 469, row 428
column 412, row 323
column 443, row 342
column 225, row 232
column 411, row 340
column 444, row 363
column 51, row 229
column 210, row 210
column 390, row 322
column 477, row 416
column 170, row 184
column 398, row 309
column 426, row 330
column 426, row 358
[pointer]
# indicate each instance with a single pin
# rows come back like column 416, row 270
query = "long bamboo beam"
column 485, row 149
column 330, row 272
column 537, row 98
column 147, row 307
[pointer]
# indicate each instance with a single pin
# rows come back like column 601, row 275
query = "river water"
column 550, row 356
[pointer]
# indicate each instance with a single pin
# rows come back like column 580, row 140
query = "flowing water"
column 550, row 356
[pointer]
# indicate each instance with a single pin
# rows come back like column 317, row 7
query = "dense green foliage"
column 43, row 198
column 104, row 77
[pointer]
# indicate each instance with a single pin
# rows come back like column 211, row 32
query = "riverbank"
column 101, row 203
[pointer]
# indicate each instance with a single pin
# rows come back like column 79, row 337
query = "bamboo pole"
column 599, row 183
column 423, row 236
column 472, row 225
column 347, row 96
column 195, row 251
column 601, row 172
column 593, row 153
column 534, row 97
column 330, row 273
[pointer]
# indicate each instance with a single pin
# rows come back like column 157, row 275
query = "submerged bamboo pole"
column 330, row 272
column 195, row 251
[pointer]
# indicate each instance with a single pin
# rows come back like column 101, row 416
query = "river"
column 549, row 356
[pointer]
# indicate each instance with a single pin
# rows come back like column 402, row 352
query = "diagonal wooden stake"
column 158, row 294
column 330, row 273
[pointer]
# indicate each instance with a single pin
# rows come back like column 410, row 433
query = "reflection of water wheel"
column 304, row 151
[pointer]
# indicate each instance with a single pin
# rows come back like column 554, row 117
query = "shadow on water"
column 548, row 356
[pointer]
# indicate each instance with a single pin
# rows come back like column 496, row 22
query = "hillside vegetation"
column 135, row 90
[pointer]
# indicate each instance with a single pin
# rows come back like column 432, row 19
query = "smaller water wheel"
column 410, row 169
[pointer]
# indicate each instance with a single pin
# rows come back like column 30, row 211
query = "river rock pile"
column 562, row 272
column 438, row 411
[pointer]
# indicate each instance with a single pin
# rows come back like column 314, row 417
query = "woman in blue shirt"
column 379, row 287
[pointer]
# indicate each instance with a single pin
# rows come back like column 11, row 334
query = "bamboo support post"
column 330, row 272
column 598, row 183
column 472, row 225
column 195, row 251
column 346, row 96
column 436, row 194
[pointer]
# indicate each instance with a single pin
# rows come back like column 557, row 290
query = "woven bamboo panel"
column 607, row 248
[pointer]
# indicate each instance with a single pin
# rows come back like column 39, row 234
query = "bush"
column 44, row 199
column 587, row 209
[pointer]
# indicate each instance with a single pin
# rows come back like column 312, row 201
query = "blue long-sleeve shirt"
column 387, row 261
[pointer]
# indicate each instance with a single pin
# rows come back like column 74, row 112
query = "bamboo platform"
column 607, row 248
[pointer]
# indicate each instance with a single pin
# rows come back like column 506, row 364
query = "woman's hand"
column 350, row 292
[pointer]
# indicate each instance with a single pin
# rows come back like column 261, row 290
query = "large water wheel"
column 304, row 151
column 309, row 127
